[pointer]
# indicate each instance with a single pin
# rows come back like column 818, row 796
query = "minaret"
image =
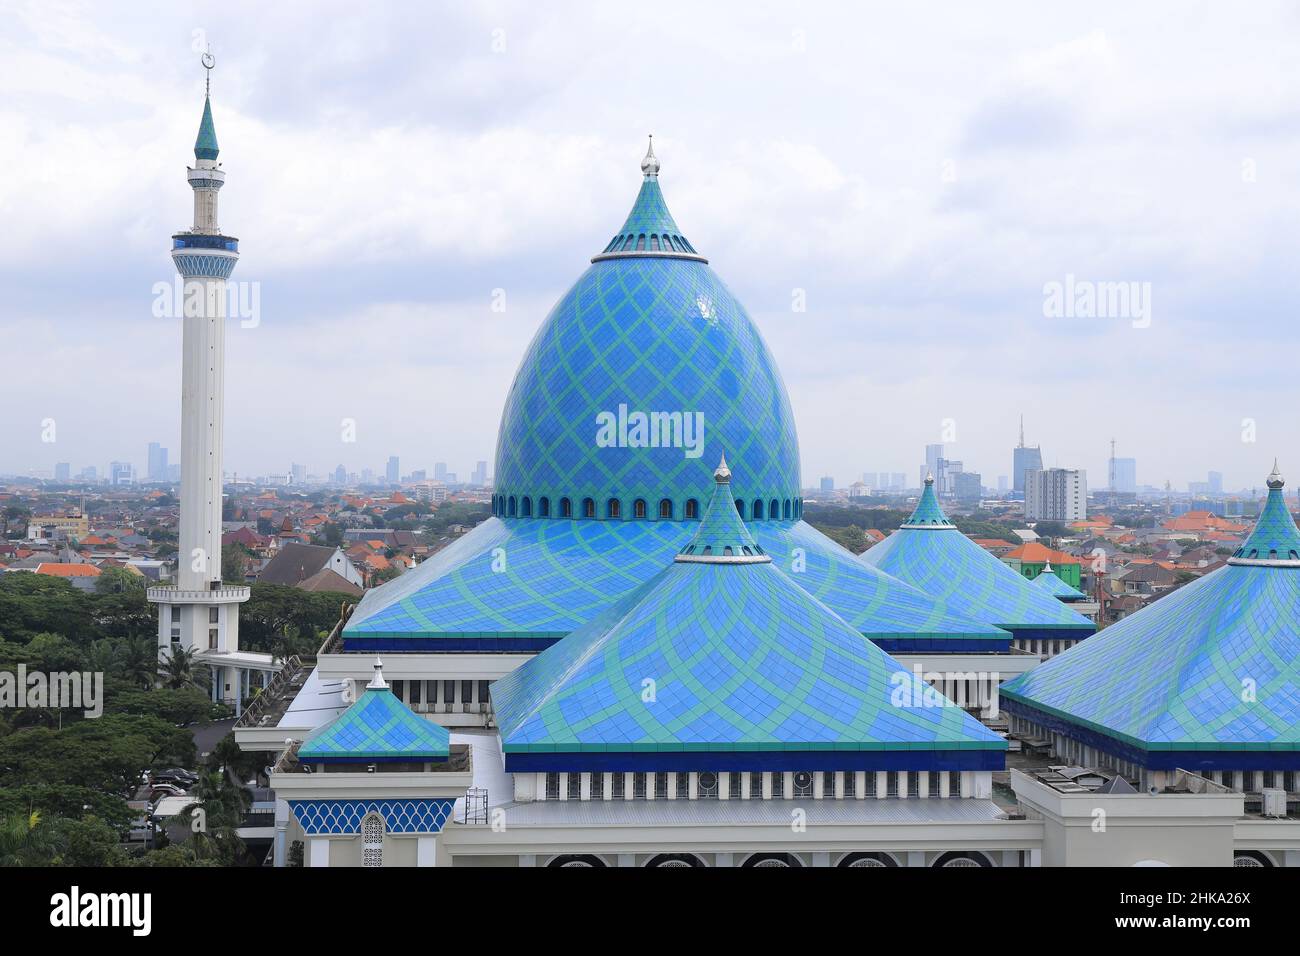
column 198, row 612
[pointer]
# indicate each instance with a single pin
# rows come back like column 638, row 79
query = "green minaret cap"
column 722, row 537
column 205, row 147
column 1275, row 537
column 928, row 514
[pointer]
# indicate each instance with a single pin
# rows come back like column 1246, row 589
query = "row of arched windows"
column 654, row 243
column 510, row 506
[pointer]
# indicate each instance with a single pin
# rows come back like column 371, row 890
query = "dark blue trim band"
column 1194, row 760
column 687, row 760
column 902, row 645
column 448, row 645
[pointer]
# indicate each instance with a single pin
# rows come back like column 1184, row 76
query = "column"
column 584, row 786
column 426, row 851
column 859, row 784
column 915, row 858
column 882, row 784
column 724, row 860
column 281, row 832
column 923, row 783
column 724, row 785
column 607, row 790
column 318, row 851
column 821, row 859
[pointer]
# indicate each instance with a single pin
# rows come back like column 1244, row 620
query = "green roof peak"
column 928, row 514
column 722, row 537
column 205, row 147
column 650, row 229
column 1275, row 540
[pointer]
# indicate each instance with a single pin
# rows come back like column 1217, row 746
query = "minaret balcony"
column 226, row 594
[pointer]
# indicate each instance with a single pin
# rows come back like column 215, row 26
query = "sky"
column 921, row 177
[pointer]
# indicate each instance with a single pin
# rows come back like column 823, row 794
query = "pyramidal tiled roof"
column 727, row 665
column 1206, row 677
column 205, row 147
column 377, row 726
column 929, row 553
column 1051, row 582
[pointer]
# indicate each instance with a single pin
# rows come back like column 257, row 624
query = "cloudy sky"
column 920, row 171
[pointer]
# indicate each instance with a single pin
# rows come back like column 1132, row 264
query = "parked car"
column 160, row 790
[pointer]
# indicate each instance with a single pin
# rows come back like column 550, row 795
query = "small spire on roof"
column 650, row 165
column 929, row 478
column 723, row 473
column 377, row 682
column 1275, row 479
column 1047, row 566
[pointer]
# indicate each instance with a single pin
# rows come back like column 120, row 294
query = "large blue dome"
column 644, row 374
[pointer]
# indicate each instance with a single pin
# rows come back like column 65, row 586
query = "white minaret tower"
column 198, row 612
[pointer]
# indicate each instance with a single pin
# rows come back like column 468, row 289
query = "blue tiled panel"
column 336, row 817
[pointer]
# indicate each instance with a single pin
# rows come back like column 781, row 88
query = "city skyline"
column 1005, row 170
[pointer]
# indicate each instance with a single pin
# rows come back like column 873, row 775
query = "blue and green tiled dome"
column 649, row 328
column 718, row 664
column 1205, row 678
column 1051, row 582
column 376, row 728
column 929, row 553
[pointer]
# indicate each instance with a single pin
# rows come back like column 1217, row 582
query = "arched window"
column 372, row 840
column 757, row 512
column 665, row 508
column 511, row 508
column 588, row 507
column 566, row 508
column 543, row 507
column 640, row 243
column 526, row 507
column 654, row 243
column 613, row 509
column 638, row 508
column 774, row 509
column 631, row 240
column 692, row 508
column 740, row 508
column 786, row 512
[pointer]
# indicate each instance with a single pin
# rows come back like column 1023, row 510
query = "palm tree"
column 177, row 669
column 22, row 841
column 213, row 819
column 139, row 661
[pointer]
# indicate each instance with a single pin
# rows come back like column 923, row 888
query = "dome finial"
column 723, row 473
column 1047, row 566
column 650, row 165
column 1275, row 479
column 377, row 682
column 205, row 147
column 929, row 478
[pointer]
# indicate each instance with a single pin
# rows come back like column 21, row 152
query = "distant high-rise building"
column 827, row 484
column 393, row 474
column 479, row 476
column 340, row 475
column 439, row 471
column 933, row 466
column 121, row 473
column 1124, row 476
column 1216, row 483
column 298, row 474
column 157, row 462
column 967, row 486
column 897, row 481
column 1057, row 494
column 872, row 479
column 367, row 476
column 62, row 471
column 1024, row 459
column 419, row 475
column 89, row 473
column 174, row 472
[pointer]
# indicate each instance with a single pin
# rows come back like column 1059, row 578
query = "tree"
column 22, row 841
column 118, row 581
column 138, row 661
column 234, row 563
column 176, row 670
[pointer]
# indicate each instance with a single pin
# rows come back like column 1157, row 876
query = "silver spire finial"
column 1275, row 480
column 208, row 61
column 1047, row 566
column 377, row 682
column 650, row 165
column 929, row 478
column 723, row 473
